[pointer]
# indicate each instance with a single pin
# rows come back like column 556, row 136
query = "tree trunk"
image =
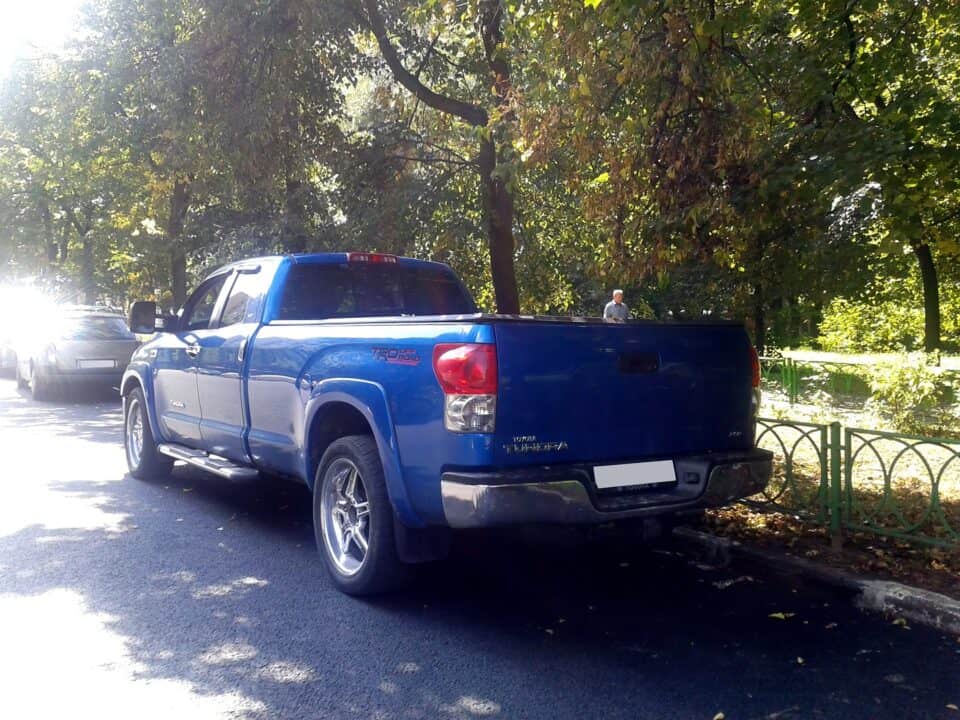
column 498, row 213
column 179, row 203
column 88, row 282
column 759, row 319
column 295, row 222
column 48, row 239
column 64, row 243
column 295, row 216
column 497, row 201
column 931, row 297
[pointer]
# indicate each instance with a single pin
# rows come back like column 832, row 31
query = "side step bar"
column 216, row 465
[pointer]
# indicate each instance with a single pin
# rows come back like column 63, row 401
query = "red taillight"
column 371, row 257
column 466, row 369
column 754, row 367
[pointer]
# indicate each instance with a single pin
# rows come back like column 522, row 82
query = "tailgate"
column 576, row 392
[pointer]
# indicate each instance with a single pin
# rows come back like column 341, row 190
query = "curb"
column 923, row 607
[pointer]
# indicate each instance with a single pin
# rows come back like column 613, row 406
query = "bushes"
column 892, row 320
column 850, row 326
column 910, row 394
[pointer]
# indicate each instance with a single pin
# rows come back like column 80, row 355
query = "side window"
column 246, row 298
column 199, row 308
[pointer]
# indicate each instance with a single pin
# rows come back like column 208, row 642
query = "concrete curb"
column 890, row 598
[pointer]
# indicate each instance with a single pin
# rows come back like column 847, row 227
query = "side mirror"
column 144, row 320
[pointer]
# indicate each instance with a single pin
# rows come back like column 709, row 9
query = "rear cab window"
column 318, row 291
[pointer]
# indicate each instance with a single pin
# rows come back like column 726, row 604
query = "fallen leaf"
column 719, row 716
column 548, row 631
column 781, row 615
column 951, row 706
column 800, row 661
column 895, row 678
column 188, row 489
column 902, row 623
column 724, row 584
column 829, row 626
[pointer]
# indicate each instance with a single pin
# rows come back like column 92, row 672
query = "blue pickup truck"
column 374, row 380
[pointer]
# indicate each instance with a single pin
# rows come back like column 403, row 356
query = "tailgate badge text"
column 530, row 444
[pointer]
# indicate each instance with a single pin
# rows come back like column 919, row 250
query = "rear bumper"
column 569, row 495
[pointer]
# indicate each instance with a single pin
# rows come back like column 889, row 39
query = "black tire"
column 147, row 464
column 40, row 389
column 380, row 569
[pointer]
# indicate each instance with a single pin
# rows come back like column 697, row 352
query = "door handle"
column 242, row 351
column 193, row 350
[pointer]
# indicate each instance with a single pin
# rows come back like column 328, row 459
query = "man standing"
column 615, row 309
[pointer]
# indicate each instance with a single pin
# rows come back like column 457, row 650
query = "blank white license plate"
column 633, row 474
column 95, row 364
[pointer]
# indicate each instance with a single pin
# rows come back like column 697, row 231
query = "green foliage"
column 860, row 326
column 883, row 318
column 658, row 147
column 910, row 394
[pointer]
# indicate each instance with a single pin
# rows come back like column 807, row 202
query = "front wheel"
column 39, row 385
column 353, row 518
column 143, row 460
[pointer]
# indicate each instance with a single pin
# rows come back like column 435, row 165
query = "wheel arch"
column 135, row 377
column 355, row 407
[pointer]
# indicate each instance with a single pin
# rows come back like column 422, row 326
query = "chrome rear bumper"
column 568, row 495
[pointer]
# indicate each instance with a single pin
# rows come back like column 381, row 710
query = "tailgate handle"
column 639, row 363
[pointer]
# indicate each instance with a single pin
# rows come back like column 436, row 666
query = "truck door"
column 175, row 383
column 220, row 368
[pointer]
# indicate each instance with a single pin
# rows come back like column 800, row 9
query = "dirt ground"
column 865, row 554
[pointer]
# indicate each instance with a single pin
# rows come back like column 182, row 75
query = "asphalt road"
column 200, row 598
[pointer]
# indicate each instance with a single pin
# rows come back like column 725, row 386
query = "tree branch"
column 472, row 114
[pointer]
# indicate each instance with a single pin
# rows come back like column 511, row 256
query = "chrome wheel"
column 345, row 516
column 134, row 433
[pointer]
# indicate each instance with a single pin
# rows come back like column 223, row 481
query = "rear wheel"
column 143, row 460
column 353, row 519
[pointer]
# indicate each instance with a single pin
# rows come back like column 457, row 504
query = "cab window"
column 199, row 308
column 246, row 298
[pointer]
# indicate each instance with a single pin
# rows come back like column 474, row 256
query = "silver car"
column 77, row 347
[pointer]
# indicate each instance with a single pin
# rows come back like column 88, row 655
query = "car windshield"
column 96, row 327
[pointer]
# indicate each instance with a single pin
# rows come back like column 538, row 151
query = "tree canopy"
column 780, row 163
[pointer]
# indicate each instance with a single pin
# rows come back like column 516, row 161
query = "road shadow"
column 89, row 413
column 217, row 585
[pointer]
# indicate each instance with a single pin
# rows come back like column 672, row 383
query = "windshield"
column 316, row 291
column 94, row 328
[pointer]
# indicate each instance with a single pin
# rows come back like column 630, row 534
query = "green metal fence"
column 905, row 486
column 801, row 479
column 860, row 480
